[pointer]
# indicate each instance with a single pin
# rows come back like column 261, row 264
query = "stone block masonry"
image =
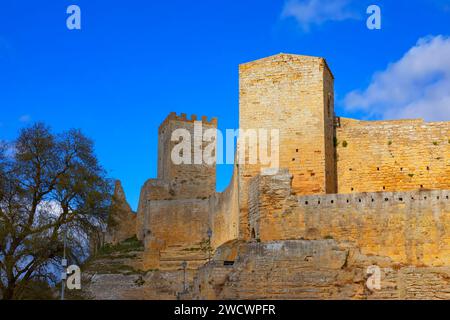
column 173, row 214
column 409, row 227
column 186, row 180
column 322, row 155
column 348, row 194
column 314, row 269
column 392, row 155
column 295, row 95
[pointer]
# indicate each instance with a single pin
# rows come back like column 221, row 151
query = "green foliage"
column 344, row 144
column 389, row 142
column 129, row 245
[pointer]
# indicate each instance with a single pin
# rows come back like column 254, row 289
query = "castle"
column 380, row 188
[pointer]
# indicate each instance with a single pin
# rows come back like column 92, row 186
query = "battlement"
column 380, row 223
column 368, row 199
column 186, row 179
column 183, row 117
column 382, row 185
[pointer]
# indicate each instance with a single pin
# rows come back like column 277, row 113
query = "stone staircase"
column 172, row 257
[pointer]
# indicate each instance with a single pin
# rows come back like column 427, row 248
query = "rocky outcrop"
column 122, row 219
column 291, row 269
column 312, row 269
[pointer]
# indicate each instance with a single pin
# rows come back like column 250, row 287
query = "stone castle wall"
column 293, row 94
column 192, row 180
column 174, row 209
column 176, row 231
column 351, row 194
column 409, row 227
column 392, row 155
column 224, row 214
column 330, row 163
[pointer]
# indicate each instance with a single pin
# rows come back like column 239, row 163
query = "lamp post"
column 184, row 265
column 209, row 232
column 64, row 265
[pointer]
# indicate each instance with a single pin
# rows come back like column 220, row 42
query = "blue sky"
column 133, row 62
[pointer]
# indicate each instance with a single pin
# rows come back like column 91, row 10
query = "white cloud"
column 316, row 12
column 25, row 118
column 416, row 86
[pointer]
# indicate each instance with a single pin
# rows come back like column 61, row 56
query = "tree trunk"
column 8, row 293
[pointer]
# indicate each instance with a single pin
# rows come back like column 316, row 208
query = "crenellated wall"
column 350, row 194
column 409, row 227
column 174, row 209
column 330, row 163
column 192, row 179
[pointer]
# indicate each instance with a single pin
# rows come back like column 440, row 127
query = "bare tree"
column 50, row 186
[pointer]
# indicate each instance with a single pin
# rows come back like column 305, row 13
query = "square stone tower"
column 187, row 181
column 294, row 94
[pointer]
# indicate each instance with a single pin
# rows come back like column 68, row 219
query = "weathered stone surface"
column 293, row 94
column 348, row 194
column 116, row 273
column 402, row 155
column 187, row 180
column 291, row 269
column 122, row 220
column 408, row 227
column 314, row 269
